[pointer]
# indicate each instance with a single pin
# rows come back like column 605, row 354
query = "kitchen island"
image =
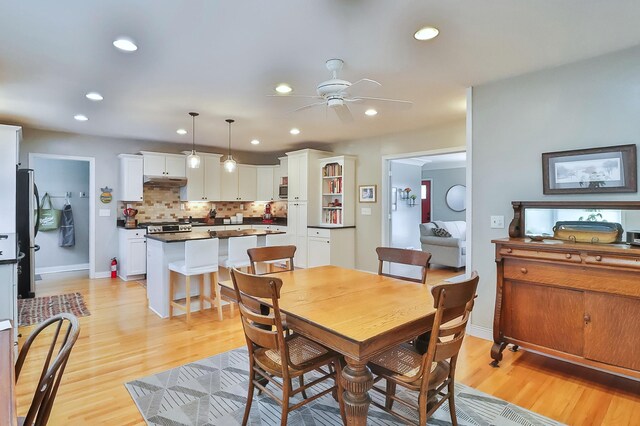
column 163, row 249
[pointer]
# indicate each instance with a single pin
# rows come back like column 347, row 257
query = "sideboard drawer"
column 560, row 255
column 614, row 260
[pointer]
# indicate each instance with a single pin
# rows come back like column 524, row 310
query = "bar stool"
column 273, row 240
column 237, row 256
column 200, row 258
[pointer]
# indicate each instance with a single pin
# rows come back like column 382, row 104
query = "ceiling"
column 437, row 161
column 222, row 59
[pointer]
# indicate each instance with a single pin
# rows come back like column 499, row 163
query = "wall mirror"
column 456, row 198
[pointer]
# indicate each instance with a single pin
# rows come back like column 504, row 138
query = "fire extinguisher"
column 114, row 268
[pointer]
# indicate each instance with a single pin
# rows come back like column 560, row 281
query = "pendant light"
column 229, row 163
column 193, row 159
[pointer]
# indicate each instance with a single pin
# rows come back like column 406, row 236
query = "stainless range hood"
column 164, row 181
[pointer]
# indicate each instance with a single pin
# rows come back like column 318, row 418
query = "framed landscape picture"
column 594, row 170
column 367, row 193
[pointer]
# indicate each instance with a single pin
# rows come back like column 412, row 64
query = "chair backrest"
column 238, row 247
column 453, row 303
column 54, row 365
column 278, row 240
column 265, row 254
column 201, row 253
column 263, row 330
column 404, row 257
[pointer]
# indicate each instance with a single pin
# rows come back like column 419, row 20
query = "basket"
column 588, row 232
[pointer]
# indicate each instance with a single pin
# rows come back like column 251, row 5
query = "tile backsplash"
column 164, row 204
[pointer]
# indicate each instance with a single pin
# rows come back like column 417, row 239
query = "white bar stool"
column 237, row 256
column 200, row 258
column 278, row 240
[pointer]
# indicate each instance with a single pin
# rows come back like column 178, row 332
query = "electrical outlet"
column 497, row 222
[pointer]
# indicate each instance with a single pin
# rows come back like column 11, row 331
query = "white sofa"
column 448, row 251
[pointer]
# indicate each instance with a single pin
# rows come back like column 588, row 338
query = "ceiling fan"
column 336, row 94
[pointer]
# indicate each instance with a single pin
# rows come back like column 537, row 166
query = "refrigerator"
column 27, row 220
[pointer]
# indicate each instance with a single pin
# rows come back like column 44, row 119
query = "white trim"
column 480, row 332
column 105, row 274
column 62, row 268
column 92, row 200
column 469, row 181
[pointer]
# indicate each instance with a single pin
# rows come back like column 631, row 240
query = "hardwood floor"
column 122, row 340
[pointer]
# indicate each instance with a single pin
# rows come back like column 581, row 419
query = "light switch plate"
column 497, row 222
column 105, row 212
column 365, row 211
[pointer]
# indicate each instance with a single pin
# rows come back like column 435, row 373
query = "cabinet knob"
column 524, row 270
column 509, row 250
column 568, row 255
column 598, row 258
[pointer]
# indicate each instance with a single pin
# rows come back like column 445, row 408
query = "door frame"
column 430, row 196
column 92, row 199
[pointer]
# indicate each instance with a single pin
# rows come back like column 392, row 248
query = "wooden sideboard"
column 578, row 302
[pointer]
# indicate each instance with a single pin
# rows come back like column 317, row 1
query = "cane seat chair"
column 53, row 367
column 431, row 374
column 405, row 257
column 272, row 354
column 271, row 255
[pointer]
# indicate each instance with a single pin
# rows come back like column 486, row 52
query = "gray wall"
column 582, row 105
column 442, row 180
column 405, row 221
column 105, row 151
column 57, row 177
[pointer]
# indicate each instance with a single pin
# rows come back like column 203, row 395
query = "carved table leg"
column 358, row 380
column 496, row 352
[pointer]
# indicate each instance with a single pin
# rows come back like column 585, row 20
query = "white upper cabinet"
column 131, row 178
column 297, row 172
column 228, row 185
column 265, row 177
column 160, row 164
column 247, row 179
column 203, row 183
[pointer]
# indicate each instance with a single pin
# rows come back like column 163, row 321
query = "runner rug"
column 37, row 309
column 213, row 391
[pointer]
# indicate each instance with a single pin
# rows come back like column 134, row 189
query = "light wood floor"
column 122, row 340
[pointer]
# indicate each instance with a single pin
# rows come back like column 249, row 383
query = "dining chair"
column 53, row 367
column 237, row 257
column 431, row 374
column 270, row 256
column 405, row 257
column 200, row 259
column 272, row 355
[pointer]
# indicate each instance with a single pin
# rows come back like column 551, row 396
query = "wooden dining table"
column 355, row 313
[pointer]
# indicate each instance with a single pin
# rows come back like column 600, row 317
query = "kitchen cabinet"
column 161, row 164
column 131, row 177
column 298, row 177
column 264, row 185
column 334, row 246
column 132, row 249
column 9, row 295
column 319, row 252
column 203, row 183
column 239, row 185
column 297, row 228
column 270, row 227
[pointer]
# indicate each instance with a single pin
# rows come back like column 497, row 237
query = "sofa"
column 447, row 251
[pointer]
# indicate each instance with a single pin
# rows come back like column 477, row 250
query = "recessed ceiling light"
column 80, row 117
column 426, row 33
column 125, row 43
column 371, row 112
column 283, row 88
column 94, row 96
column 255, row 142
column 181, row 131
column 294, row 131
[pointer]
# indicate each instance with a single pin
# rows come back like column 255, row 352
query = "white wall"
column 405, row 220
column 57, row 177
column 442, row 180
column 583, row 105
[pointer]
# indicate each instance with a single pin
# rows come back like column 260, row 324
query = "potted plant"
column 412, row 199
column 404, row 194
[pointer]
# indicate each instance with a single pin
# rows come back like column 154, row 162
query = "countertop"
column 278, row 221
column 179, row 237
column 330, row 227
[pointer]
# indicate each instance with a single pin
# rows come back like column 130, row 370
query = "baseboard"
column 63, row 268
column 104, row 274
column 480, row 332
column 132, row 277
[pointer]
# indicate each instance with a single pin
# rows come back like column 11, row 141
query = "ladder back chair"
column 271, row 255
column 53, row 367
column 404, row 257
column 431, row 374
column 272, row 355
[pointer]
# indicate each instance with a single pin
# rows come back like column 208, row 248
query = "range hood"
column 164, row 181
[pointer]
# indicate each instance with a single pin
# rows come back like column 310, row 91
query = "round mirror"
column 456, row 198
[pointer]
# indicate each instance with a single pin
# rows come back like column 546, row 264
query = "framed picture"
column 595, row 170
column 367, row 193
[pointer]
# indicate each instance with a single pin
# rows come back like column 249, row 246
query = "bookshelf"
column 338, row 191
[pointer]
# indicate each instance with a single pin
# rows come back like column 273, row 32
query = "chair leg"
column 232, row 307
column 286, row 392
column 452, row 405
column 338, row 380
column 301, row 382
column 170, row 294
column 215, row 289
column 201, row 296
column 247, row 408
column 188, row 300
column 391, row 391
column 422, row 409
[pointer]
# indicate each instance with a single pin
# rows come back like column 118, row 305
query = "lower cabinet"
column 132, row 252
column 334, row 246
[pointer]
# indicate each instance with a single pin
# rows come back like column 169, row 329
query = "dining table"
column 357, row 314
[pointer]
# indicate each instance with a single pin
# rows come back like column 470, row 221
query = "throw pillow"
column 441, row 232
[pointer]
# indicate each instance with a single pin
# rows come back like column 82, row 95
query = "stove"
column 165, row 227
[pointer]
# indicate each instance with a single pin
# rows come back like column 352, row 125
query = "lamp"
column 193, row 159
column 229, row 163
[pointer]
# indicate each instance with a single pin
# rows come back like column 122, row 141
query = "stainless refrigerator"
column 27, row 220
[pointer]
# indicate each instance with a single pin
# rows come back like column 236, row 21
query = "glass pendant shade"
column 193, row 160
column 230, row 164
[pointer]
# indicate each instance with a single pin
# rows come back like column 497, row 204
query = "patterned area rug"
column 213, row 391
column 35, row 310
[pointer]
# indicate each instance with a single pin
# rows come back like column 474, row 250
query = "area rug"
column 213, row 391
column 37, row 309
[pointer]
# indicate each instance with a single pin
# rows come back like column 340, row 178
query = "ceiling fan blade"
column 400, row 103
column 296, row 96
column 309, row 106
column 362, row 80
column 344, row 114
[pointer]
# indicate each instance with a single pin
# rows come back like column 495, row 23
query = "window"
column 423, row 192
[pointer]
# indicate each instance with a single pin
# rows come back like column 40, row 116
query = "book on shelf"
column 333, row 217
column 335, row 186
column 332, row 169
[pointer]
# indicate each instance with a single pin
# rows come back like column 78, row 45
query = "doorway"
column 427, row 202
column 68, row 182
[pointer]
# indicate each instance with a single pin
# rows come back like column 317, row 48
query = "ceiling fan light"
column 230, row 164
column 193, row 160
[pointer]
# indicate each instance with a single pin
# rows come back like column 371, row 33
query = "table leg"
column 358, row 380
